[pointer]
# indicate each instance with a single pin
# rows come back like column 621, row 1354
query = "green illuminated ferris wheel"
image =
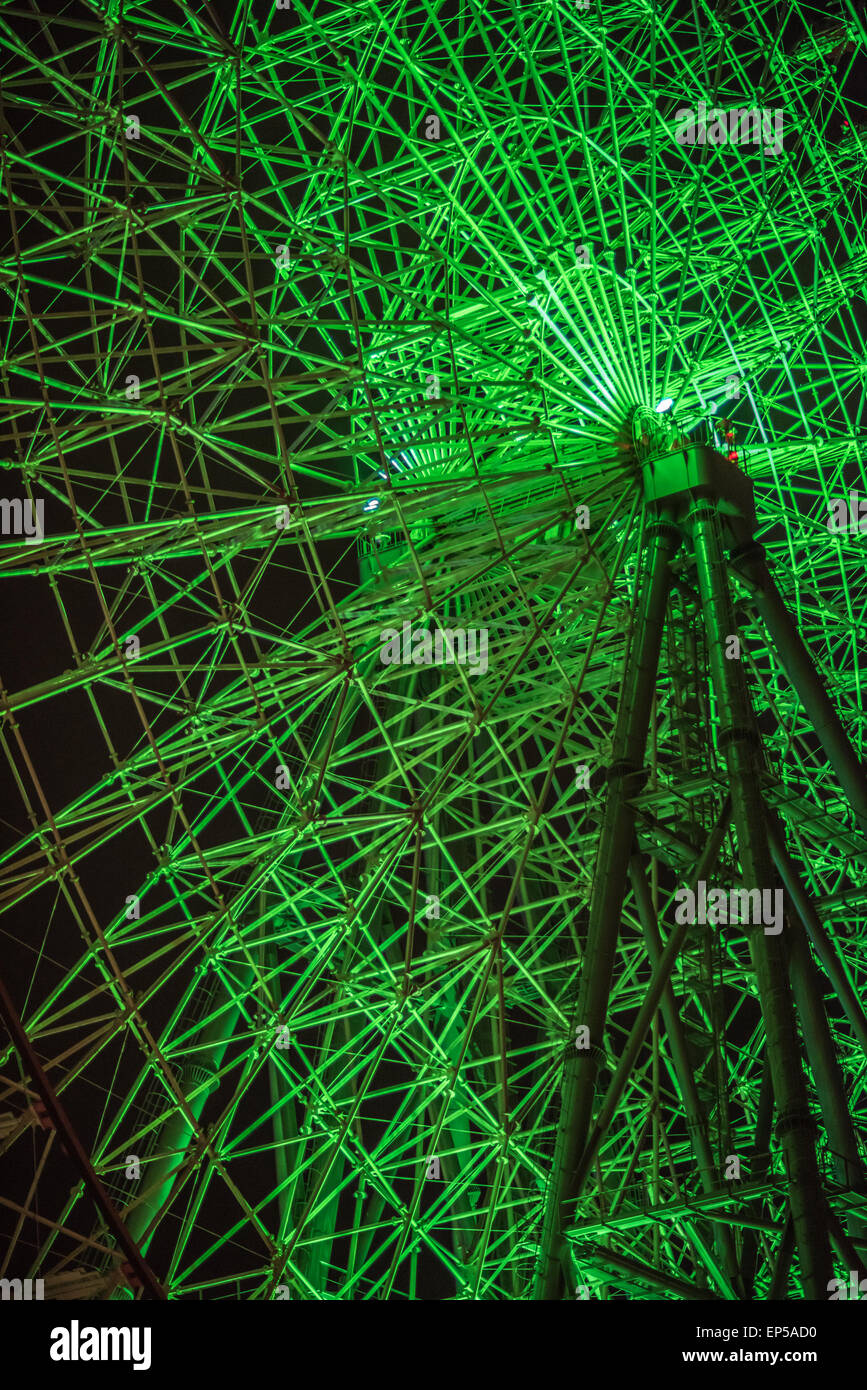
column 434, row 450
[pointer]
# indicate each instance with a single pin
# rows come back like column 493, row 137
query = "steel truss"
column 329, row 319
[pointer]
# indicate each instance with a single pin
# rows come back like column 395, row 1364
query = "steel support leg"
column 696, row 1119
column 835, row 968
column 800, row 667
column 615, row 847
column 739, row 744
column 652, row 998
column 822, row 1057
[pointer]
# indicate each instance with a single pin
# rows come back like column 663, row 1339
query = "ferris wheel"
column 434, row 451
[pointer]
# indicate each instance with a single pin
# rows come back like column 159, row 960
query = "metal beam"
column 739, row 742
column 615, row 847
column 748, row 563
column 74, row 1147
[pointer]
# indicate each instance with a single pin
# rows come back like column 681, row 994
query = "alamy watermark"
column 26, row 1289
column 848, row 514
column 442, row 647
column 721, row 906
column 17, row 519
column 77, row 1343
column 839, row 1290
column 739, row 126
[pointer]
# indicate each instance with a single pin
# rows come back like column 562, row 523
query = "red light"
column 733, row 456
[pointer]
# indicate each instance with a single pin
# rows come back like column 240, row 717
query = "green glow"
column 432, row 385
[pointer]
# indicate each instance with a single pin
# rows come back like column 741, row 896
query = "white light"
column 371, row 504
column 665, row 404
